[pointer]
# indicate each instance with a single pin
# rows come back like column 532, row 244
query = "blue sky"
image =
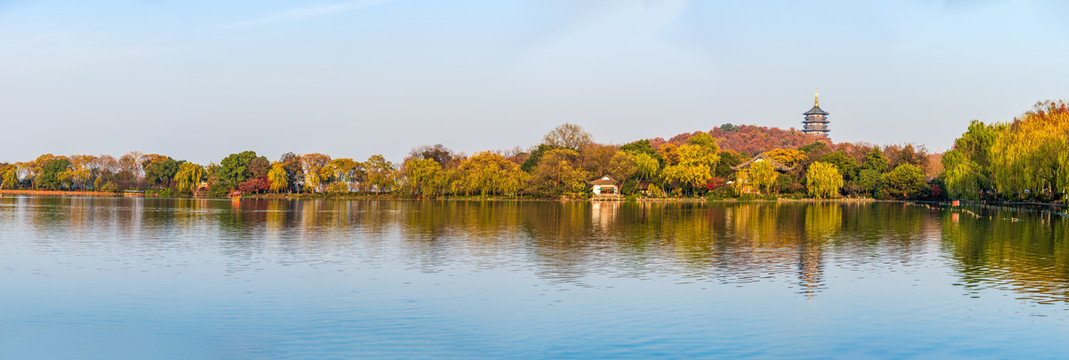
column 199, row 80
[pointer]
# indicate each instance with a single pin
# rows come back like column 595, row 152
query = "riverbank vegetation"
column 1025, row 159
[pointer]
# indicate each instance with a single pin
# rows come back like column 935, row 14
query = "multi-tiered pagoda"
column 816, row 120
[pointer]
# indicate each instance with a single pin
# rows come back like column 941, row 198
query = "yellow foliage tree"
column 823, row 180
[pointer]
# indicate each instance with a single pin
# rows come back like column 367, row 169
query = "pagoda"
column 816, row 120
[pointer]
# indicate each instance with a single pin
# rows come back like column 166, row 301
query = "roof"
column 762, row 157
column 604, row 180
column 816, row 110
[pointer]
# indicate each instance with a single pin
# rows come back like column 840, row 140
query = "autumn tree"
column 278, row 178
column 294, row 173
column 9, row 176
column 622, row 166
column 347, row 171
column 437, row 152
column 595, row 158
column 316, row 173
column 568, row 136
column 381, row 173
column 788, row 157
column 697, row 159
column 558, row 174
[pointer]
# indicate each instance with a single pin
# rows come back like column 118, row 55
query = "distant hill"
column 750, row 139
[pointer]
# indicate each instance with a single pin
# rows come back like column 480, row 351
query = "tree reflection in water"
column 567, row 242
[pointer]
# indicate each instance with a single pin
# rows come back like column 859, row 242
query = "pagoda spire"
column 816, row 97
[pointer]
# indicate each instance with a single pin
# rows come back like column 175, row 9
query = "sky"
column 198, row 80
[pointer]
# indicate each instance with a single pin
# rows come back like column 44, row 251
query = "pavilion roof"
column 762, row 157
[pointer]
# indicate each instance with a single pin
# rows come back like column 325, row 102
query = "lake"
column 144, row 278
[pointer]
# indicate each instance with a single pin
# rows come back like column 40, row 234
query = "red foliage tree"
column 255, row 186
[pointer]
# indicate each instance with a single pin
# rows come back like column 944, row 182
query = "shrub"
column 337, row 188
column 109, row 187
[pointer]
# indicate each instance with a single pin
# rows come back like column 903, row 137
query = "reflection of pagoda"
column 810, row 268
column 816, row 120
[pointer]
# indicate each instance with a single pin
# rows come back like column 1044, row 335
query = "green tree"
column 962, row 177
column 536, row 155
column 234, row 169
column 868, row 181
column 49, row 175
column 904, row 182
column 728, row 159
column 823, row 180
column 161, row 171
column 846, row 165
column 638, row 147
column 874, row 160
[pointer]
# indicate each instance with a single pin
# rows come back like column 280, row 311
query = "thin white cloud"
column 305, row 13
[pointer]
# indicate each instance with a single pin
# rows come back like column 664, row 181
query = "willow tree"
column 189, row 176
column 762, row 175
column 1031, row 155
column 647, row 166
column 421, row 176
column 697, row 159
column 277, row 177
column 969, row 174
column 823, row 180
column 486, row 172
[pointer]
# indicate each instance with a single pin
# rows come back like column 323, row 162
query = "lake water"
column 204, row 279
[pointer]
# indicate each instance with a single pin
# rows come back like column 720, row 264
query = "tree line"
column 1026, row 159
column 690, row 165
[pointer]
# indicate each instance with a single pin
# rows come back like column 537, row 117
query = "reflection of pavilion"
column 604, row 213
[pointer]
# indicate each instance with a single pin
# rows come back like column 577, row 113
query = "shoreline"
column 60, row 193
column 1007, row 204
